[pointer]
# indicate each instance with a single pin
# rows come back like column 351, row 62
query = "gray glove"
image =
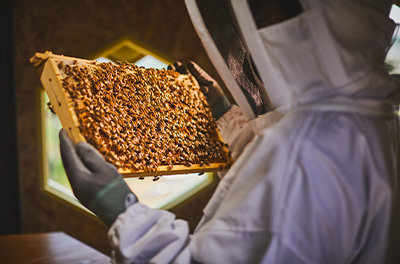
column 215, row 97
column 95, row 182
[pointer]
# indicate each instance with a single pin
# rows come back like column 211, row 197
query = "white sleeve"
column 144, row 235
column 235, row 130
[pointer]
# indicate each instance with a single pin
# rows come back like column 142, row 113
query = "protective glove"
column 95, row 182
column 215, row 97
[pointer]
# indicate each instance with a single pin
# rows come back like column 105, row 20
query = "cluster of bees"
column 141, row 119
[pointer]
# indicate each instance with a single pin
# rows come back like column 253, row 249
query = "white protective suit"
column 316, row 180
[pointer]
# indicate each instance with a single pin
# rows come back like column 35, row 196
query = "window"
column 165, row 193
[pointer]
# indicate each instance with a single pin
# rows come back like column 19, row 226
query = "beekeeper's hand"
column 95, row 182
column 215, row 97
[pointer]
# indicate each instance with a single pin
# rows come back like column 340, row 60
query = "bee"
column 51, row 108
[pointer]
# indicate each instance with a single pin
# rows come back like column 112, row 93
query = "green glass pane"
column 54, row 165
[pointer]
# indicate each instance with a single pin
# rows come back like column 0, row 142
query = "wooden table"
column 48, row 248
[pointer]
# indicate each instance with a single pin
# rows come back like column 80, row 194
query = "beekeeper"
column 315, row 138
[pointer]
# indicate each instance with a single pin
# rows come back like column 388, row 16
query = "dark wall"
column 9, row 188
column 81, row 28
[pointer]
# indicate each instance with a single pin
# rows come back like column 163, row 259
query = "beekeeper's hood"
column 331, row 49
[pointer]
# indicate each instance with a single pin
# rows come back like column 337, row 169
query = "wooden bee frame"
column 51, row 78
